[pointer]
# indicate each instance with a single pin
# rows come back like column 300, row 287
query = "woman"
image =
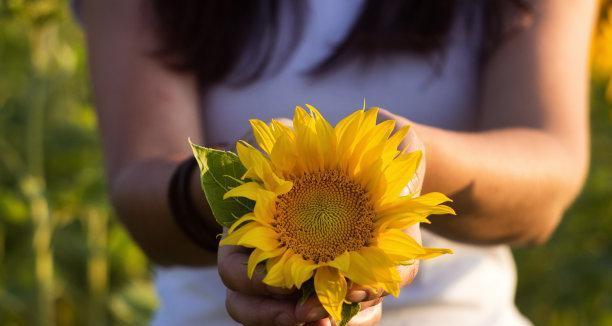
column 495, row 90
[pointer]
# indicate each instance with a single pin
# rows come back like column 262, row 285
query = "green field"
column 64, row 257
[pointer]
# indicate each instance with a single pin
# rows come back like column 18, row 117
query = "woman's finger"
column 358, row 293
column 310, row 310
column 370, row 303
column 408, row 273
column 368, row 316
column 232, row 265
column 320, row 322
column 259, row 310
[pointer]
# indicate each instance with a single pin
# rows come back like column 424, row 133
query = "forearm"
column 508, row 185
column 146, row 111
column 139, row 194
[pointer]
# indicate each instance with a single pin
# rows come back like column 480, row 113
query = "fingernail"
column 285, row 319
column 316, row 314
column 357, row 296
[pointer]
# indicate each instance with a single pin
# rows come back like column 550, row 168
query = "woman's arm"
column 512, row 180
column 146, row 112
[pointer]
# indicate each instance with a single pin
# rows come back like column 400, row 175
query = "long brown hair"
column 211, row 37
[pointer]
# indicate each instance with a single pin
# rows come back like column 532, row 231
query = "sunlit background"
column 65, row 258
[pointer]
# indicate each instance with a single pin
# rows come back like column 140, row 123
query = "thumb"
column 259, row 310
column 400, row 121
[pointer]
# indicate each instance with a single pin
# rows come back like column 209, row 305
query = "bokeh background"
column 65, row 260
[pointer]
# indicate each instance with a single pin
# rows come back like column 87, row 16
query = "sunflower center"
column 324, row 215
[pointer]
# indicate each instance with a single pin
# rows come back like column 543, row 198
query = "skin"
column 511, row 179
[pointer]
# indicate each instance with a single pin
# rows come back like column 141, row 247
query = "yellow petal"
column 261, row 237
column 252, row 235
column 300, row 117
column 406, row 211
column 348, row 124
column 371, row 146
column 258, row 168
column 283, row 155
column 371, row 266
column 263, row 135
column 350, row 131
column 369, row 119
column 278, row 128
column 373, row 180
column 366, row 123
column 399, row 246
column 347, row 129
column 275, row 270
column 331, row 288
column 422, row 203
column 288, row 278
column 326, row 138
column 391, row 148
column 426, row 204
column 389, row 287
column 341, row 262
column 258, row 255
column 432, row 198
column 400, row 222
column 264, row 199
column 388, row 278
column 399, row 173
column 434, row 252
column 265, row 207
column 251, row 160
column 233, row 238
column 245, row 218
column 250, row 190
column 298, row 270
column 307, row 141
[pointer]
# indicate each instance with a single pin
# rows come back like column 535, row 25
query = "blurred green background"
column 65, row 258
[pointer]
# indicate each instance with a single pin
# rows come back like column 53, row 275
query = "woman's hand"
column 251, row 302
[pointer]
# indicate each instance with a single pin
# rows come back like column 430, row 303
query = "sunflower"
column 329, row 203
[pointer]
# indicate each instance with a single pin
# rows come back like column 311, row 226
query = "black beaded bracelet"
column 184, row 211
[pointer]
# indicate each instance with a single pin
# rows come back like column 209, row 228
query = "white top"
column 474, row 286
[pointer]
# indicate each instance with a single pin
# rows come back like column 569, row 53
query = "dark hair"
column 213, row 37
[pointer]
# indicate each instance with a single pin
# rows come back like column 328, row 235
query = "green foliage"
column 568, row 281
column 349, row 310
column 64, row 258
column 306, row 290
column 221, row 171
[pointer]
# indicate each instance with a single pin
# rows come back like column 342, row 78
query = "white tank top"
column 475, row 285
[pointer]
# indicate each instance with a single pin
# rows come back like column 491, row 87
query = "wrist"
column 186, row 206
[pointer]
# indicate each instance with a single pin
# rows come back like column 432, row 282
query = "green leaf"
column 307, row 290
column 349, row 310
column 221, row 171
